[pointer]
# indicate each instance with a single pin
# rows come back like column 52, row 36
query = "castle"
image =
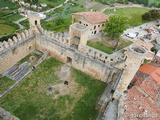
column 117, row 71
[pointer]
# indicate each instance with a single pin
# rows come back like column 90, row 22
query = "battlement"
column 59, row 37
column 97, row 54
column 20, row 37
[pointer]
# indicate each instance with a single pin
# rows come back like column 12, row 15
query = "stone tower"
column 78, row 35
column 134, row 57
column 34, row 20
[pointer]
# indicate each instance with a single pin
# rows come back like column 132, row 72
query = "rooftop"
column 143, row 97
column 153, row 71
column 93, row 17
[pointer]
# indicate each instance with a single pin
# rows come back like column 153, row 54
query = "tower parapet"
column 34, row 20
column 135, row 56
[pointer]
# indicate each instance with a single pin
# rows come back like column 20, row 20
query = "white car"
column 155, row 31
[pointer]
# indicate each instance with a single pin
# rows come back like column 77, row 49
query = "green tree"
column 147, row 16
column 115, row 27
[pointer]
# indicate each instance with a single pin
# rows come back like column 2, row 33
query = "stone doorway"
column 35, row 22
column 69, row 61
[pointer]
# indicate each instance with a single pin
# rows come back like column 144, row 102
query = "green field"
column 133, row 14
column 6, row 29
column 96, row 7
column 29, row 101
column 52, row 2
column 5, row 4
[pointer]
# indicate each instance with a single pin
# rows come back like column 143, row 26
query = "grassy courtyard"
column 5, row 83
column 29, row 101
column 107, row 46
column 133, row 14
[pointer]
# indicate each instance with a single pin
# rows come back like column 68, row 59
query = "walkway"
column 112, row 111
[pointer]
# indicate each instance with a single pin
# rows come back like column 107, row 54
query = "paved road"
column 20, row 25
column 55, row 7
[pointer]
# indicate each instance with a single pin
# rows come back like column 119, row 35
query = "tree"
column 151, row 15
column 115, row 26
column 146, row 16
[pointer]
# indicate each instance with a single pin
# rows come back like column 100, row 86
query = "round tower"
column 135, row 56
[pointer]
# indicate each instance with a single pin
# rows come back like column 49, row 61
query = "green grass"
column 124, row 43
column 133, row 14
column 96, row 7
column 107, row 46
column 25, row 23
column 5, row 4
column 55, row 3
column 5, row 83
column 101, row 46
column 6, row 29
column 28, row 100
column 7, row 26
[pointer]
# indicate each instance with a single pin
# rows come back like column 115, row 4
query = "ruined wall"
column 15, row 49
column 80, row 61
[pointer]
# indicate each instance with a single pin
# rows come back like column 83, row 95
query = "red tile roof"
column 136, row 103
column 93, row 17
column 144, row 94
column 151, row 87
column 153, row 71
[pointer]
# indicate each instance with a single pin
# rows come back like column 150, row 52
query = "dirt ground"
column 65, row 74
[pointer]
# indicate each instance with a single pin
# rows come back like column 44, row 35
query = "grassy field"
column 107, row 46
column 5, row 4
column 7, row 26
column 5, row 83
column 29, row 101
column 55, row 3
column 6, row 29
column 133, row 14
column 96, row 7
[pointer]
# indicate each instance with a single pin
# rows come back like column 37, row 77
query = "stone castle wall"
column 80, row 61
column 15, row 49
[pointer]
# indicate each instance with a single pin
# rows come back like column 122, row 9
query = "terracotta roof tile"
column 93, row 17
column 153, row 71
column 136, row 104
column 150, row 86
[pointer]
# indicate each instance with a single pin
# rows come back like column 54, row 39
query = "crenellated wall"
column 99, row 55
column 80, row 61
column 15, row 49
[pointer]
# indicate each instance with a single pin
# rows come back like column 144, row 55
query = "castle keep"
column 119, row 70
